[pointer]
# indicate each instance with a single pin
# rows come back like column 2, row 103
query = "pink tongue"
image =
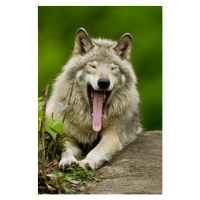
column 97, row 110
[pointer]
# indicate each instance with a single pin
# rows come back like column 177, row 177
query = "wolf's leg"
column 106, row 148
column 72, row 150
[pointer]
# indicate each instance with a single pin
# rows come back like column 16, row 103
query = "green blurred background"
column 57, row 26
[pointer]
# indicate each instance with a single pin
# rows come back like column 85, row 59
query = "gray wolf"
column 102, row 111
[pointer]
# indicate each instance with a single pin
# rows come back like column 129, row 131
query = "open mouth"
column 98, row 101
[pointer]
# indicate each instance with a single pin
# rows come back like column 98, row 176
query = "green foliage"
column 81, row 188
column 54, row 127
column 85, row 183
column 82, row 174
column 39, row 161
column 65, row 187
column 54, row 139
column 53, row 131
column 61, row 181
column 81, row 158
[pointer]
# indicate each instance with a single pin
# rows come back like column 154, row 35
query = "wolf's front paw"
column 66, row 162
column 88, row 164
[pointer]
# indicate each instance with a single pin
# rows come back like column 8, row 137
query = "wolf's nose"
column 103, row 83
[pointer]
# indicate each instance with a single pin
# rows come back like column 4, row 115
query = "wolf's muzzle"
column 103, row 83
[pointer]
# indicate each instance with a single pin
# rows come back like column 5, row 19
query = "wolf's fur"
column 91, row 60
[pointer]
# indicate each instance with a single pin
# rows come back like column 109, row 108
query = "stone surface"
column 137, row 169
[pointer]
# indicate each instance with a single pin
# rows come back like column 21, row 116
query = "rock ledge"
column 137, row 169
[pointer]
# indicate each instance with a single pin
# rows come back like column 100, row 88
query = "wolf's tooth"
column 104, row 95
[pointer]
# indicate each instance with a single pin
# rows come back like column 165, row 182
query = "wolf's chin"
column 98, row 101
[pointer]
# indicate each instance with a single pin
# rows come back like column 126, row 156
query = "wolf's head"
column 101, row 68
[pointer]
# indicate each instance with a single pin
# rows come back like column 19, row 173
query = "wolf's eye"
column 93, row 66
column 114, row 68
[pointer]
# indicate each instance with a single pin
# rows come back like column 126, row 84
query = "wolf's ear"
column 123, row 47
column 83, row 43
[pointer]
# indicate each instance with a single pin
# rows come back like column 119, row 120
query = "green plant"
column 62, row 182
column 50, row 139
column 82, row 174
column 50, row 145
column 59, row 182
column 54, row 136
